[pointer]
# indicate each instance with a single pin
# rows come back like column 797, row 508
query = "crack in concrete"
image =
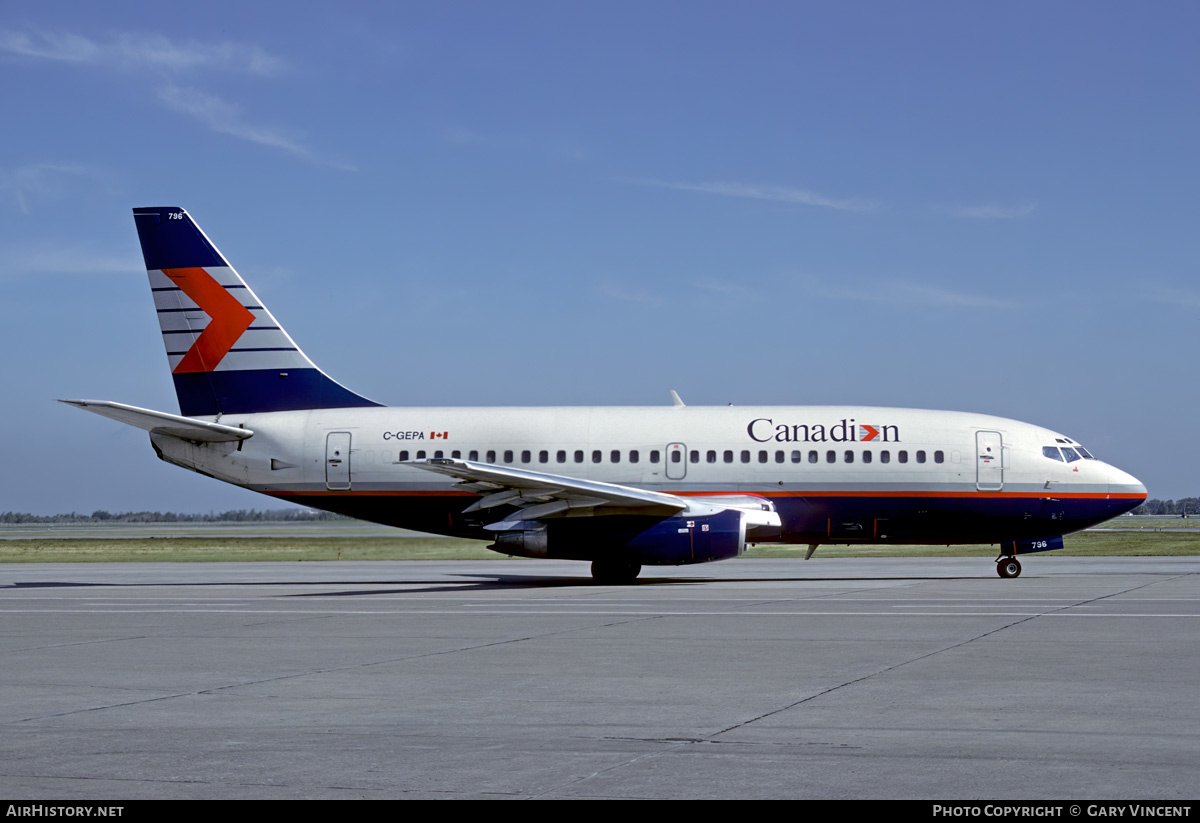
column 673, row 745
column 350, row 667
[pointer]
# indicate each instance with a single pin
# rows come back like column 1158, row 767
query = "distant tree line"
column 231, row 516
column 1188, row 505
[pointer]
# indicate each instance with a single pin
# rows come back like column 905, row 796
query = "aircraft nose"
column 1121, row 482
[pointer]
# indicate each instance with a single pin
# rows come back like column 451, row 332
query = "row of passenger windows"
column 710, row 456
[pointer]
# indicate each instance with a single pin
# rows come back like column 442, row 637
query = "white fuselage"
column 830, row 470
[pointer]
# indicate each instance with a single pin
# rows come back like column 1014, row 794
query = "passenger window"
column 695, row 456
column 633, row 456
column 508, row 456
column 473, row 455
column 885, row 456
column 812, row 457
column 849, row 456
column 561, row 456
column 762, row 456
column 403, row 456
column 831, row 456
column 420, row 455
column 543, row 456
column 597, row 456
column 797, row 456
column 654, row 456
column 675, row 456
column 728, row 456
column 711, row 456
column 615, row 456
column 902, row 456
column 939, row 457
column 438, row 453
column 456, row 454
column 526, row 456
column 745, row 456
column 491, row 456
column 920, row 456
column 579, row 455
column 867, row 456
column 779, row 456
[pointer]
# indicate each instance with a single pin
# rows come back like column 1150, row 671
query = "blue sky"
column 983, row 207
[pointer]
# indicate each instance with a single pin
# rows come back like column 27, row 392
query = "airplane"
column 621, row 487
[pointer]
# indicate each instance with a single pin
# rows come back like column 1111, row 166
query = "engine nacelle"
column 702, row 534
column 691, row 538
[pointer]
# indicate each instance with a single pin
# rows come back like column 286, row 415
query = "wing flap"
column 540, row 495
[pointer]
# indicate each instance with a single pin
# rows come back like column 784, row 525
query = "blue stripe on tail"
column 250, row 392
column 173, row 242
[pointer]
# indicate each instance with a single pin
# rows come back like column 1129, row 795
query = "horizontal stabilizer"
column 157, row 422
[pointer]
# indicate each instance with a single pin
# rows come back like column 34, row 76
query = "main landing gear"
column 1008, row 567
column 615, row 572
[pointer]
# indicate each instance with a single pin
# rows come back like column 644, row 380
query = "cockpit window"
column 1070, row 445
column 1070, row 454
column 1052, row 453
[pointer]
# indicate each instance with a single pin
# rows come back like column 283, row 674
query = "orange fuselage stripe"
column 995, row 495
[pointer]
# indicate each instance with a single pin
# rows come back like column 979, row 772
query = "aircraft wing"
column 541, row 495
column 157, row 422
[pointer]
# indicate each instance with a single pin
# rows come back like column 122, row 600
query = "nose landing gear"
column 1008, row 567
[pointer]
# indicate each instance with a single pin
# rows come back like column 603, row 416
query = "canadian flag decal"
column 439, row 435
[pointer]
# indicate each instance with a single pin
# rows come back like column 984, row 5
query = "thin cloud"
column 565, row 150
column 171, row 59
column 993, row 212
column 138, row 51
column 467, row 137
column 908, row 293
column 1170, row 296
column 722, row 289
column 777, row 194
column 35, row 182
column 617, row 291
column 224, row 117
column 67, row 261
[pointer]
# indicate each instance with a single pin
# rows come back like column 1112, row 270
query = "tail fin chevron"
column 227, row 354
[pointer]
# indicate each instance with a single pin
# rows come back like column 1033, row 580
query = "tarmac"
column 927, row 679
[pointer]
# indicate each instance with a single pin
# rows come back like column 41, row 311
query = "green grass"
column 351, row 547
column 211, row 549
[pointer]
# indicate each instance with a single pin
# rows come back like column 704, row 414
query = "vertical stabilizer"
column 227, row 353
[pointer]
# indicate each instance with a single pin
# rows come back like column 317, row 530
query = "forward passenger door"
column 989, row 461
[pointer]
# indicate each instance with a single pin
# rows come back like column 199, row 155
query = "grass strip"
column 216, row 548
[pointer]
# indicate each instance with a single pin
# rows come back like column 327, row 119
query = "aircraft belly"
column 844, row 516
